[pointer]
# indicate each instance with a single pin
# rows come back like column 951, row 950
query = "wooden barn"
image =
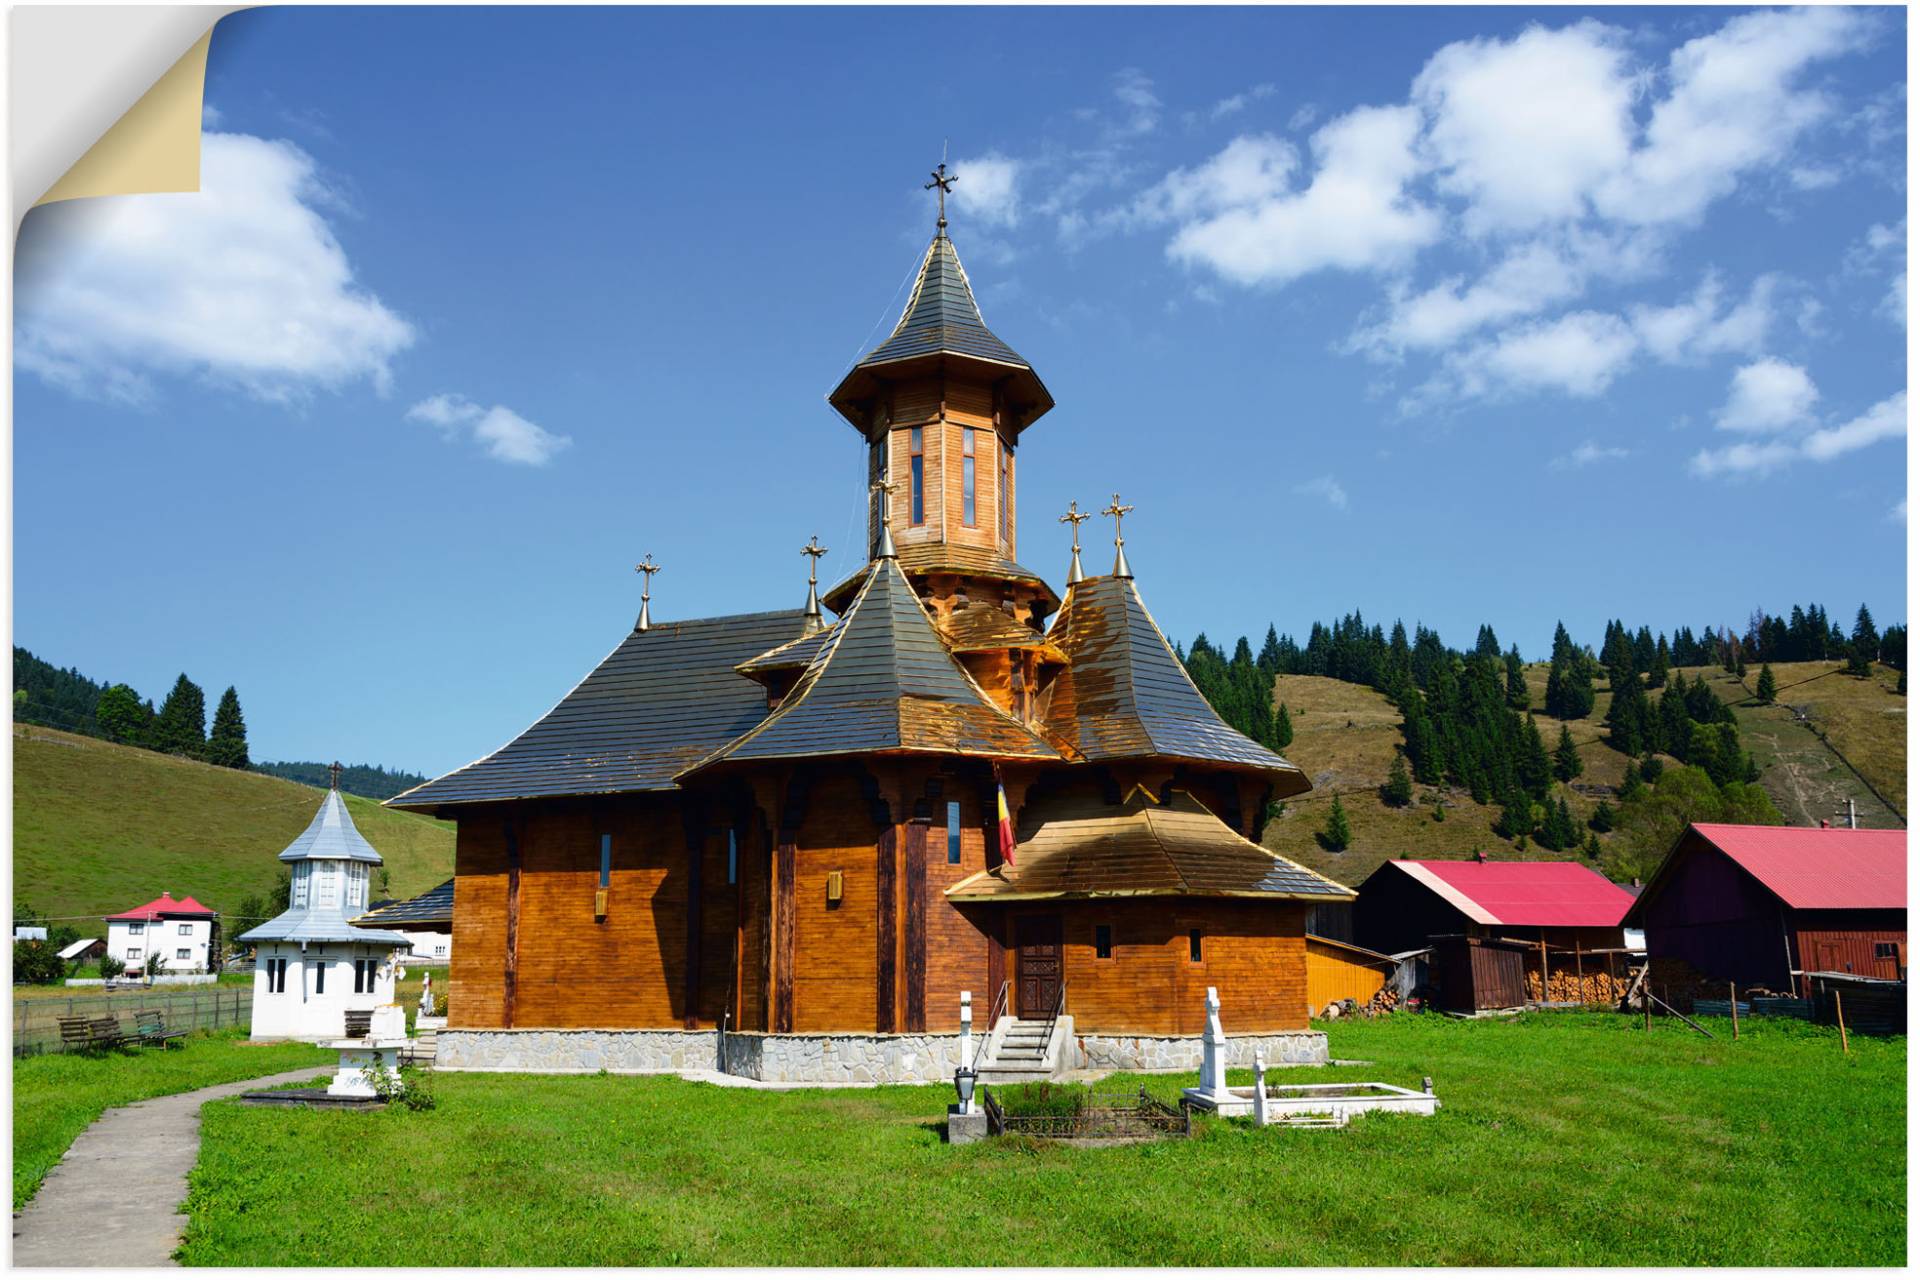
column 1503, row 933
column 1342, row 971
column 1767, row 907
column 823, row 833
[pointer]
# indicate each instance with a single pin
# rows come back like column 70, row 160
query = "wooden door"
column 1036, row 941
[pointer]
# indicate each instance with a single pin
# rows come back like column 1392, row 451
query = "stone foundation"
column 1185, row 1053
column 914, row 1058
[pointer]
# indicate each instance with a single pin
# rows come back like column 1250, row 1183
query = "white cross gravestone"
column 1213, row 1068
column 966, row 1029
column 1260, row 1089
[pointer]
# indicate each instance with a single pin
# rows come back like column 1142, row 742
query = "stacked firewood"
column 1564, row 987
column 1385, row 1000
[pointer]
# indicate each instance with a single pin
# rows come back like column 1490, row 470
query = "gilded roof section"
column 1083, row 847
column 793, row 655
column 660, row 702
column 1125, row 695
column 885, row 683
column 981, row 627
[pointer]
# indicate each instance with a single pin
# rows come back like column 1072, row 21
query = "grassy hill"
column 98, row 828
column 1345, row 736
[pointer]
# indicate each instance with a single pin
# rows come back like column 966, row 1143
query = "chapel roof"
column 1125, row 695
column 942, row 326
column 980, row 627
column 664, row 699
column 1081, row 846
column 885, row 683
column 923, row 559
column 331, row 834
column 435, row 906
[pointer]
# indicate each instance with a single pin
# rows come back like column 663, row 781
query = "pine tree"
column 1270, row 657
column 1866, row 638
column 1602, row 819
column 1662, row 659
column 1857, row 664
column 1739, row 665
column 1336, row 835
column 1516, row 816
column 1592, row 850
column 1534, row 768
column 1517, row 695
column 122, row 717
column 1562, row 643
column 227, row 743
column 1764, row 688
column 1627, row 718
column 1632, row 786
column 1398, row 791
column 1566, row 758
column 1282, row 728
column 1569, row 689
column 181, row 727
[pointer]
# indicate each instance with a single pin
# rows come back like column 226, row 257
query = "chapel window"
column 1193, row 946
column 320, row 978
column 300, row 875
column 1103, row 941
column 953, row 832
column 966, row 478
column 733, row 857
column 916, row 447
column 606, row 860
column 1005, row 496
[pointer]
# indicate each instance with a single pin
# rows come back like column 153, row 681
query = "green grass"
column 56, row 1096
column 99, row 828
column 1571, row 1139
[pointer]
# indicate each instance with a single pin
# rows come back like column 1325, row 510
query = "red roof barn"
column 1764, row 906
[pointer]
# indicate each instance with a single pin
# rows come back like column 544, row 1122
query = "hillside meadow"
column 99, row 828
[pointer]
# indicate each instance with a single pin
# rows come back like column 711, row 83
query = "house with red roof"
column 179, row 931
column 1495, row 927
column 1772, row 906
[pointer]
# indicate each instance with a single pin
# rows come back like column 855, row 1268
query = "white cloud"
column 242, row 283
column 1523, row 130
column 1886, row 420
column 1250, row 169
column 1587, row 453
column 986, row 189
column 1303, row 117
column 1898, row 513
column 1240, row 101
column 504, row 435
column 209, row 115
column 1695, row 328
column 1579, row 354
column 1135, row 91
column 1355, row 215
column 1767, row 395
column 1732, row 106
column 1324, row 487
column 1881, row 249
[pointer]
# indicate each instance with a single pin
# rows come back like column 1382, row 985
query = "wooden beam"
column 916, row 913
column 886, row 927
column 692, row 821
column 509, row 976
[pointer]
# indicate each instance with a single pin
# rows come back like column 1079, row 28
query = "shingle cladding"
column 885, row 683
column 1084, row 847
column 435, row 906
column 1125, row 695
column 659, row 703
column 941, row 316
column 924, row 558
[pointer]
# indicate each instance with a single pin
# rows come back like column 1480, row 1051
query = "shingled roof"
column 1125, row 695
column 435, row 906
column 660, row 702
column 885, row 683
column 925, row 558
column 1083, row 847
column 941, row 322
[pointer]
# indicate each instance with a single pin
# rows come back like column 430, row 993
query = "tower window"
column 733, row 857
column 967, row 516
column 320, row 978
column 916, row 446
column 1193, row 946
column 1103, row 941
column 1005, row 496
column 606, row 860
column 953, row 833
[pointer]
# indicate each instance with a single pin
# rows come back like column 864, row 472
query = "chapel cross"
column 1118, row 512
column 333, row 776
column 944, row 181
column 648, row 567
column 884, row 488
column 813, row 551
column 1075, row 516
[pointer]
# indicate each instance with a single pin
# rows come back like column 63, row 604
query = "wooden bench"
column 150, row 1027
column 88, row 1034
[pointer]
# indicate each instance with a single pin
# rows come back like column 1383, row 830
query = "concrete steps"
column 1021, row 1052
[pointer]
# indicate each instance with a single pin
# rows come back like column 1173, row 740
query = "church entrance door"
column 1036, row 941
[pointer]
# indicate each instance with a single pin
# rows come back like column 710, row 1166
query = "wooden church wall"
column 957, row 957
column 834, row 959
column 475, row 989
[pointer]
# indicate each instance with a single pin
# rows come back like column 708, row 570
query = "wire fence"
column 36, row 1023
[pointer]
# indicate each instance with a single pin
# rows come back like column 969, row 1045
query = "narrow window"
column 1103, row 941
column 320, row 978
column 606, row 860
column 953, row 833
column 733, row 857
column 916, row 446
column 276, row 976
column 1193, row 946
column 966, row 478
column 300, row 874
column 1005, row 496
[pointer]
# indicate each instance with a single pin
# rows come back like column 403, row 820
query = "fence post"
column 1839, row 1016
column 1733, row 1006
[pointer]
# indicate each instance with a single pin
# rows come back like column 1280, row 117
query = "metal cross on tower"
column 813, row 551
column 884, row 488
column 1075, row 516
column 1118, row 512
column 333, row 776
column 944, row 181
column 648, row 567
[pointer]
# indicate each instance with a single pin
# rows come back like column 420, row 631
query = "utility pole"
column 1852, row 815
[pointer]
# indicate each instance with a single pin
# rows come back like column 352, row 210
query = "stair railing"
column 1059, row 1007
column 999, row 1007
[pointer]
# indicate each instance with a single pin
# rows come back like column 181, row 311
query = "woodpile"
column 1565, row 987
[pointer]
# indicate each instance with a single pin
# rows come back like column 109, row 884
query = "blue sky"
column 1450, row 315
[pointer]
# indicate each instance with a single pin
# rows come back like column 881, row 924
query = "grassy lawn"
column 1563, row 1139
column 56, row 1096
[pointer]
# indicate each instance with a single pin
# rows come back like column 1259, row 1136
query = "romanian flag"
column 1006, row 820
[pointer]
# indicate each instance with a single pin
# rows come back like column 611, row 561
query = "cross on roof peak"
column 1120, row 567
column 648, row 567
column 944, row 181
column 333, row 776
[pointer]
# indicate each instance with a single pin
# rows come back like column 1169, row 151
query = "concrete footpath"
column 114, row 1199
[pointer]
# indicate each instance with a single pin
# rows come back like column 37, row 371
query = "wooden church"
column 790, row 828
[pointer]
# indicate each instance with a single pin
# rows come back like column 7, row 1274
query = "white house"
column 178, row 930
column 310, row 966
